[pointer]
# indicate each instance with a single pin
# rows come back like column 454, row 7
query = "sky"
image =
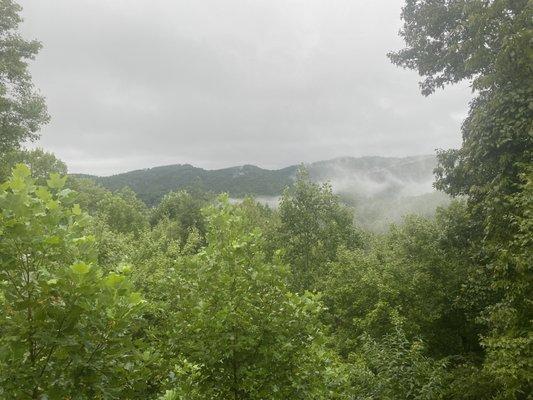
column 133, row 84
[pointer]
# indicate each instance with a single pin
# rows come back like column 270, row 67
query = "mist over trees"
column 104, row 295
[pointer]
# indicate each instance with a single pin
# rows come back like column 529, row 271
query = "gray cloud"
column 138, row 83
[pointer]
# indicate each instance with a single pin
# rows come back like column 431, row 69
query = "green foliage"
column 22, row 109
column 240, row 301
column 237, row 320
column 411, row 272
column 448, row 41
column 313, row 226
column 489, row 42
column 123, row 212
column 510, row 341
column 184, row 209
column 63, row 322
column 40, row 162
column 396, row 368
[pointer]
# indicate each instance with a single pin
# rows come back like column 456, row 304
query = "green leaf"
column 80, row 268
column 113, row 280
column 135, row 298
column 43, row 194
column 76, row 210
column 52, row 205
column 56, row 181
column 125, row 268
column 21, row 171
column 17, row 184
column 53, row 240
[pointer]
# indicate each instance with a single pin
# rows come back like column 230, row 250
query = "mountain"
column 381, row 189
column 152, row 184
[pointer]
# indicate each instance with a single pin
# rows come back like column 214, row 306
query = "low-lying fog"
column 381, row 191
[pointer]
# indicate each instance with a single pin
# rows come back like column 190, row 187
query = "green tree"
column 313, row 225
column 413, row 272
column 238, row 322
column 396, row 368
column 488, row 42
column 449, row 41
column 64, row 325
column 123, row 212
column 510, row 340
column 185, row 209
column 40, row 162
column 22, row 109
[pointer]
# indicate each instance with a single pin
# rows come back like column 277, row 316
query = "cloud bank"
column 138, row 83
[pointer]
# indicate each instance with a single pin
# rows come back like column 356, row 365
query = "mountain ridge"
column 335, row 159
column 359, row 177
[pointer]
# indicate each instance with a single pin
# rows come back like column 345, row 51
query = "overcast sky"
column 139, row 83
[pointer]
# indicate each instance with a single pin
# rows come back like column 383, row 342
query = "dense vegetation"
column 103, row 297
column 386, row 175
column 379, row 189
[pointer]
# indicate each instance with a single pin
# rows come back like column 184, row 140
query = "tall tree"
column 489, row 43
column 22, row 108
column 313, row 226
column 238, row 322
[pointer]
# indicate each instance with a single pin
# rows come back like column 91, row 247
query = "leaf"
column 17, row 184
column 76, row 210
column 135, row 298
column 21, row 171
column 125, row 268
column 66, row 194
column 80, row 268
column 56, row 181
column 43, row 194
column 52, row 205
column 113, row 280
column 53, row 240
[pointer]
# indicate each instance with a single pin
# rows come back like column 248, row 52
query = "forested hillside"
column 152, row 184
column 194, row 297
column 381, row 190
column 355, row 177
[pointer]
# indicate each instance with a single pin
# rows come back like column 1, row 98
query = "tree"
column 40, row 162
column 313, row 226
column 185, row 209
column 397, row 368
column 448, row 41
column 22, row 109
column 237, row 321
column 509, row 343
column 64, row 325
column 488, row 42
column 123, row 212
column 412, row 272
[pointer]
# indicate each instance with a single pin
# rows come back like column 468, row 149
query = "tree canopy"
column 22, row 108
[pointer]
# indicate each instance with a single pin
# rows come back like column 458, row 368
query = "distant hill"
column 152, row 184
column 380, row 188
